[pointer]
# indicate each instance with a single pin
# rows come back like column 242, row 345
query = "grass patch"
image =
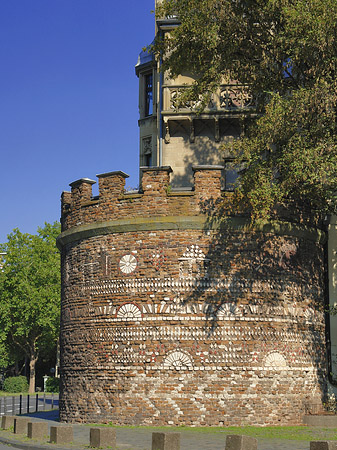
column 298, row 433
column 9, row 394
column 24, row 394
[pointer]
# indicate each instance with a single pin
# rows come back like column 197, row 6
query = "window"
column 147, row 151
column 148, row 160
column 148, row 95
column 232, row 173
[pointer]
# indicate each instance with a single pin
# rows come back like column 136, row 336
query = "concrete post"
column 238, row 442
column 323, row 445
column 165, row 441
column 21, row 425
column 7, row 422
column 61, row 435
column 103, row 437
column 38, row 430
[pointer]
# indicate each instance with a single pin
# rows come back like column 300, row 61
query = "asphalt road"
column 44, row 403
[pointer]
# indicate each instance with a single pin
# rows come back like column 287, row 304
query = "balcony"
column 228, row 99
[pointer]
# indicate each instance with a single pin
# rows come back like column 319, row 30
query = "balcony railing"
column 229, row 97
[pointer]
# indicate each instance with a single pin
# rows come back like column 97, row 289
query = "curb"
column 35, row 445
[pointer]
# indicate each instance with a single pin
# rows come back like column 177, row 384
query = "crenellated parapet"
column 154, row 198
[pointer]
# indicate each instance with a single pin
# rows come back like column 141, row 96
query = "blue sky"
column 68, row 99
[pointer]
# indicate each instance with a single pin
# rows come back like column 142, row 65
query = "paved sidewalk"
column 139, row 439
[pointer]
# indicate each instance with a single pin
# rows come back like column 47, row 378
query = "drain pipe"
column 327, row 263
column 160, row 117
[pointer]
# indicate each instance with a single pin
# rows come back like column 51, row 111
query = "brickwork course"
column 171, row 316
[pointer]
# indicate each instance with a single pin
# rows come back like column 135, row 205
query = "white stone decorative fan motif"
column 227, row 310
column 177, row 360
column 275, row 361
column 129, row 311
column 194, row 252
column 128, row 263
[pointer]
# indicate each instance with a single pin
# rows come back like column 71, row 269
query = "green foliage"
column 30, row 293
column 4, row 353
column 53, row 384
column 15, row 384
column 291, row 156
column 286, row 52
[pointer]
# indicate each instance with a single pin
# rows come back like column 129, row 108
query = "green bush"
column 53, row 384
column 16, row 384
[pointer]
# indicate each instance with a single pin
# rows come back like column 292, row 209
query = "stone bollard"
column 323, row 445
column 165, row 441
column 238, row 442
column 37, row 430
column 61, row 435
column 21, row 425
column 7, row 422
column 103, row 437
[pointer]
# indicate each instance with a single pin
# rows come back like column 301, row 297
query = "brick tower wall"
column 172, row 317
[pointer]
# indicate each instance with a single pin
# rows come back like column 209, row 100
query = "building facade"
column 182, row 137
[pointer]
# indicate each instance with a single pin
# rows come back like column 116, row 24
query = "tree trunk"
column 32, row 364
column 16, row 369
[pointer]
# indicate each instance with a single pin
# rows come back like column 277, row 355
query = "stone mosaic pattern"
column 227, row 330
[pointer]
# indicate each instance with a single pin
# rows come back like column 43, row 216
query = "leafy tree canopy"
column 286, row 51
column 30, row 294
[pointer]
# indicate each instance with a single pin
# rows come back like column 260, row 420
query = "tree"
column 30, row 294
column 286, row 52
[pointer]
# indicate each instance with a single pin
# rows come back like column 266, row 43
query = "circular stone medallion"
column 128, row 263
